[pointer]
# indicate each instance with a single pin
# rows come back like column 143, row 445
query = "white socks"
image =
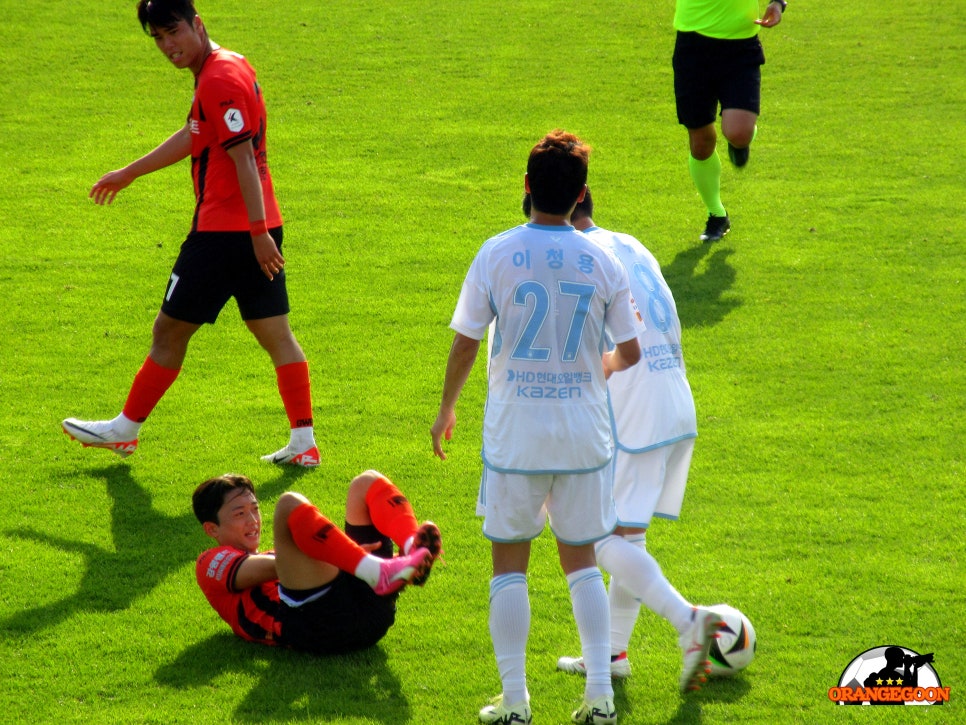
column 589, row 598
column 301, row 439
column 633, row 569
column 369, row 569
column 125, row 428
column 509, row 630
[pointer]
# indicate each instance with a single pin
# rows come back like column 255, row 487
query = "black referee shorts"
column 213, row 267
column 711, row 71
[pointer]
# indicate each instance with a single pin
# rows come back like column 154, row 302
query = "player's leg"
column 509, row 624
column 294, row 386
column 170, row 338
column 519, row 518
column 581, row 512
column 264, row 307
column 310, row 548
column 321, row 555
column 374, row 500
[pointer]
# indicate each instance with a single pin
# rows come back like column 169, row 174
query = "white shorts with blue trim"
column 516, row 506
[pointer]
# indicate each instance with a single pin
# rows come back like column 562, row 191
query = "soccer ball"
column 734, row 649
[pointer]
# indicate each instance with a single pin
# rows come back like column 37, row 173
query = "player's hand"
column 608, row 371
column 106, row 188
column 442, row 428
column 772, row 16
column 270, row 260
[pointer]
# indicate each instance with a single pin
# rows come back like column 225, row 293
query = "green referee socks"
column 707, row 179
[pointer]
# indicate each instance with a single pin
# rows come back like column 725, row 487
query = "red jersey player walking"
column 234, row 246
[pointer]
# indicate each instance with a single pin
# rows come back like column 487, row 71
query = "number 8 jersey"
column 550, row 292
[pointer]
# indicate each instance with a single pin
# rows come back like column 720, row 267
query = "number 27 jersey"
column 550, row 291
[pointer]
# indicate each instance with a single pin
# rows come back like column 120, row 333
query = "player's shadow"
column 700, row 296
column 716, row 689
column 147, row 546
column 292, row 686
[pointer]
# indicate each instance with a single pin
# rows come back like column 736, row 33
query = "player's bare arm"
column 462, row 355
column 624, row 355
column 171, row 151
column 255, row 570
column 269, row 258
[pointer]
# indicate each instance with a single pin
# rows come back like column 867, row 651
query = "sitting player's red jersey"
column 252, row 613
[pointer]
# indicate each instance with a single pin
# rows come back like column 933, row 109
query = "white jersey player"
column 550, row 293
column 655, row 426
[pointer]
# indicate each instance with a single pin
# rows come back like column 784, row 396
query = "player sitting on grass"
column 321, row 590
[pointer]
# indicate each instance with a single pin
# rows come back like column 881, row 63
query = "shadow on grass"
column 147, row 546
column 292, row 685
column 716, row 690
column 700, row 297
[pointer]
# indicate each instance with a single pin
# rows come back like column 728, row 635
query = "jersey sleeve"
column 623, row 318
column 474, row 310
column 216, row 569
column 230, row 105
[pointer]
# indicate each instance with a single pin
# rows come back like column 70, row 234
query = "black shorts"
column 341, row 616
column 213, row 267
column 710, row 71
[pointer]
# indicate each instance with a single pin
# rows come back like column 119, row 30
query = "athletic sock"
column 707, row 179
column 588, row 597
column 296, row 391
column 321, row 539
column 150, row 384
column 391, row 512
column 624, row 608
column 632, row 567
column 509, row 630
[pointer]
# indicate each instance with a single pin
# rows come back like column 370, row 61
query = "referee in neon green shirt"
column 717, row 60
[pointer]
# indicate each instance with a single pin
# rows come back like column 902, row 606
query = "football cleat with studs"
column 99, row 434
column 695, row 645
column 287, row 457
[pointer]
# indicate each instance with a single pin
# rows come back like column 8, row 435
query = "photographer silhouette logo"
column 890, row 675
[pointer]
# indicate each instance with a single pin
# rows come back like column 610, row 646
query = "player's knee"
column 287, row 503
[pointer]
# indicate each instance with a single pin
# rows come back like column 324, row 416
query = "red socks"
column 296, row 392
column 391, row 512
column 318, row 537
column 150, row 384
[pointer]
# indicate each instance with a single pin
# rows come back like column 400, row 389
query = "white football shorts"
column 516, row 507
column 651, row 483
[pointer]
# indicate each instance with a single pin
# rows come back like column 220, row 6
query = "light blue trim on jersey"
column 552, row 227
column 653, row 446
column 618, row 446
column 643, row 525
column 548, row 472
column 582, row 543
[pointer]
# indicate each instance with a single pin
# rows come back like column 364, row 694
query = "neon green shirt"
column 728, row 19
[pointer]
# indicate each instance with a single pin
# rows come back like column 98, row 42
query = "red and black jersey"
column 227, row 109
column 252, row 613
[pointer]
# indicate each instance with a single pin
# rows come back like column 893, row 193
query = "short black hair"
column 165, row 13
column 557, row 171
column 583, row 209
column 208, row 498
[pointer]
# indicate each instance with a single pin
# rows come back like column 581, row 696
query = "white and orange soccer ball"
column 734, row 649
